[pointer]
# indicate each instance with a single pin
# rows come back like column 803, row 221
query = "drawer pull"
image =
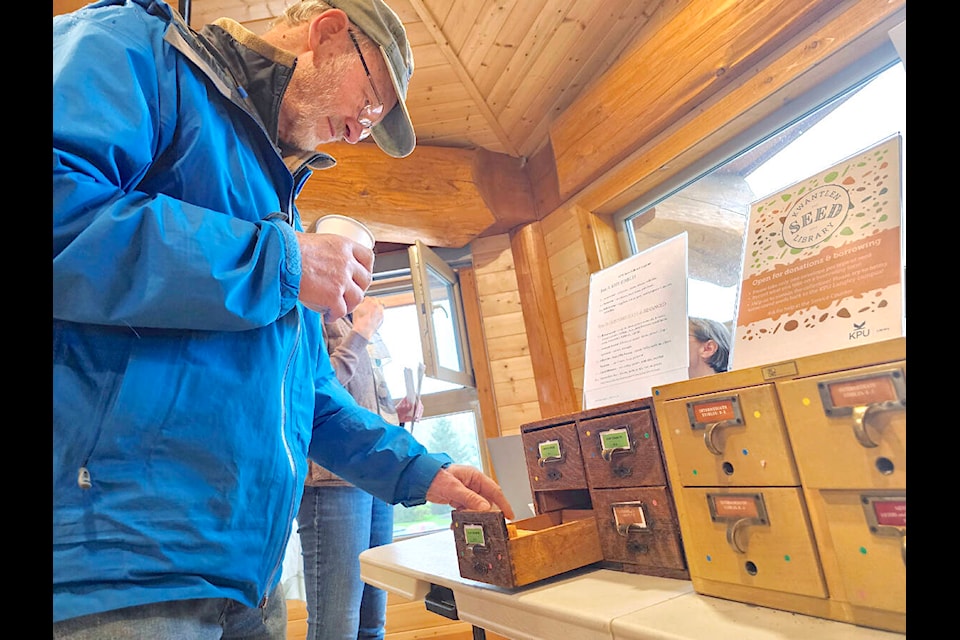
column 862, row 415
column 607, row 454
column 734, row 532
column 630, row 517
column 478, row 549
column 710, row 434
column 739, row 511
column 616, row 440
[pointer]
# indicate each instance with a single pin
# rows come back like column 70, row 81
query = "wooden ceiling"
column 489, row 74
column 524, row 106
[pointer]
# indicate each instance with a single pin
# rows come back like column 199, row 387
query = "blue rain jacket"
column 188, row 381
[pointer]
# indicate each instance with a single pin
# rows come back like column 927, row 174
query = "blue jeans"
column 206, row 619
column 336, row 524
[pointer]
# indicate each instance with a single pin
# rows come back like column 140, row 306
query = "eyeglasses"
column 370, row 114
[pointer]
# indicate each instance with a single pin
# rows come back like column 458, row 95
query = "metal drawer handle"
column 624, row 530
column 861, row 418
column 607, row 454
column 543, row 461
column 478, row 548
column 734, row 532
column 708, row 435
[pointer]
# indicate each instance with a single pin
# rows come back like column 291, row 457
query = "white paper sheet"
column 637, row 325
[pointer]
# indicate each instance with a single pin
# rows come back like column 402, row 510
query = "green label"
column 473, row 534
column 615, row 439
column 549, row 449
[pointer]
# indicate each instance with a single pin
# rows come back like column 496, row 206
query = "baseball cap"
column 394, row 134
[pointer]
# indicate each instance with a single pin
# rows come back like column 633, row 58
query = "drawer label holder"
column 549, row 451
column 863, row 398
column 712, row 416
column 739, row 511
column 616, row 440
column 886, row 515
column 474, row 537
column 629, row 517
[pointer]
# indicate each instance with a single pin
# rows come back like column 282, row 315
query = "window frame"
column 423, row 263
column 829, row 90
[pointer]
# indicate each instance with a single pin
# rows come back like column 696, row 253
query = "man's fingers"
column 335, row 273
column 471, row 487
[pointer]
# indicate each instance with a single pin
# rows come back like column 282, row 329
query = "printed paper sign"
column 637, row 325
column 822, row 263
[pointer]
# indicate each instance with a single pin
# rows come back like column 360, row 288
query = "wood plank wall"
column 508, row 350
column 571, row 236
column 576, row 244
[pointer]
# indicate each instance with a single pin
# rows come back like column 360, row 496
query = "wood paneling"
column 708, row 44
column 512, row 369
column 511, row 346
column 565, row 237
column 428, row 188
column 508, row 354
column 657, row 85
column 851, row 31
column 489, row 74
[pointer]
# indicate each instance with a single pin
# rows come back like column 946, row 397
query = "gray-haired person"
column 709, row 347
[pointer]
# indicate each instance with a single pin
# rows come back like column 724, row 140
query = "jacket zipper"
column 286, row 447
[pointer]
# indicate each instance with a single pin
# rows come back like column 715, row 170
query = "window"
column 714, row 207
column 437, row 338
column 436, row 289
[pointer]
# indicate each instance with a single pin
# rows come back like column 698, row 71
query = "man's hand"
column 464, row 487
column 336, row 271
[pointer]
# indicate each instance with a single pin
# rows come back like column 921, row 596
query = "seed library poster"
column 822, row 266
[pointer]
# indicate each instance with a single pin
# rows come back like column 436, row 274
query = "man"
column 190, row 378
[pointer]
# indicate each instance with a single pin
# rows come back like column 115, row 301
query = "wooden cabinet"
column 790, row 483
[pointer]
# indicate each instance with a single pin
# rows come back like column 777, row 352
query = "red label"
column 735, row 507
column 860, row 392
column 892, row 513
column 714, row 411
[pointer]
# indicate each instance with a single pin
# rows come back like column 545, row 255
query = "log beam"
column 442, row 196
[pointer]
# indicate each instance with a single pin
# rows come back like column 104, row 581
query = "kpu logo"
column 859, row 331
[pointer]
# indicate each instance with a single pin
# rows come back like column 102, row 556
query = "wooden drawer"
column 865, row 534
column 543, row 546
column 758, row 537
column 849, row 428
column 729, row 438
column 553, row 459
column 638, row 527
column 621, row 450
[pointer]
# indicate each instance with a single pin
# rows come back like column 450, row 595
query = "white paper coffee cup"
column 346, row 227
